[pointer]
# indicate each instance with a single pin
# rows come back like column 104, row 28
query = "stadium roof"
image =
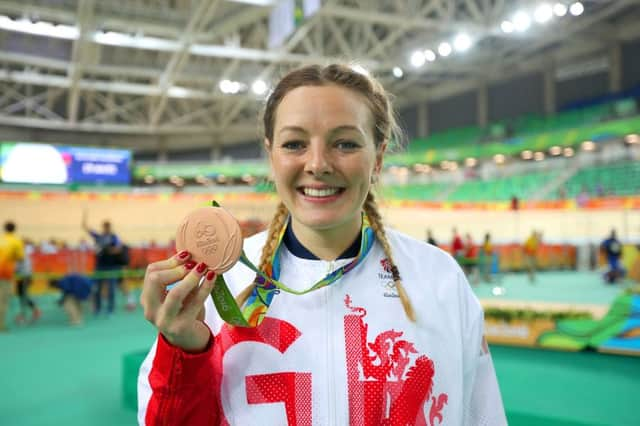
column 187, row 67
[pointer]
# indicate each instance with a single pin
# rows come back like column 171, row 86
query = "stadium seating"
column 612, row 179
column 522, row 186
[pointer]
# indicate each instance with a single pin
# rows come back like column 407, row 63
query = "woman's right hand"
column 178, row 313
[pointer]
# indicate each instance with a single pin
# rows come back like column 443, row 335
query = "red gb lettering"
column 294, row 389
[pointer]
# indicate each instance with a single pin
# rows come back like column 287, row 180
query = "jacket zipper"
column 330, row 370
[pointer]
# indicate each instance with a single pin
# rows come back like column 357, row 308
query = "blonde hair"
column 371, row 210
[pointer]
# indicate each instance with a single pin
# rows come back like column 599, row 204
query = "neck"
column 327, row 244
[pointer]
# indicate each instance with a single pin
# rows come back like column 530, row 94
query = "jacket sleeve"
column 482, row 399
column 177, row 388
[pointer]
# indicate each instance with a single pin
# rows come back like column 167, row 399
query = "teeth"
column 325, row 192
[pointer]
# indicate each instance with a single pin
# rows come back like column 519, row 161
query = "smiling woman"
column 347, row 352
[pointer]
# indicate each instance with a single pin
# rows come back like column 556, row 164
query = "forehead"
column 326, row 107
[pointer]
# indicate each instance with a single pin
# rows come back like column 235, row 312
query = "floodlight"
column 417, row 59
column 259, row 87
column 430, row 55
column 462, row 42
column 576, row 9
column 507, row 27
column 444, row 49
column 397, row 72
column 559, row 9
column 543, row 13
column 521, row 21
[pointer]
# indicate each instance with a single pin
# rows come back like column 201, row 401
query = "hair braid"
column 371, row 209
column 270, row 246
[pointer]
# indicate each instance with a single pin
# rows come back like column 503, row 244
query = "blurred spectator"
column 583, row 197
column 530, row 254
column 75, row 289
column 49, row 247
column 612, row 249
column 24, row 273
column 486, row 258
column 457, row 246
column 430, row 238
column 11, row 252
column 470, row 262
column 515, row 203
column 108, row 250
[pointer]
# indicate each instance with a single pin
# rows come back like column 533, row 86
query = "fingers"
column 175, row 299
column 158, row 276
column 172, row 262
column 196, row 305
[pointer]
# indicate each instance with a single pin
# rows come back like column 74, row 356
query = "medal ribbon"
column 266, row 284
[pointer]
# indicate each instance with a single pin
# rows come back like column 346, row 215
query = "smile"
column 320, row 192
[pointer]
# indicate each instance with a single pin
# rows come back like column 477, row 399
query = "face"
column 323, row 157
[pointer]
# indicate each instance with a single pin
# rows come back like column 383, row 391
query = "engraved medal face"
column 212, row 236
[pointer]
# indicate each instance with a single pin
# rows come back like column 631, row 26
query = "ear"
column 379, row 157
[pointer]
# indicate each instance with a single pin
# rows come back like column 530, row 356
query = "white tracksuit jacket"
column 342, row 355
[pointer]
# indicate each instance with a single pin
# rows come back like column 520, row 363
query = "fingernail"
column 183, row 254
column 190, row 264
column 211, row 275
column 201, row 267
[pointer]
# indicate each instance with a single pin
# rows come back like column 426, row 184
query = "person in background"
column 24, row 272
column 108, row 248
column 365, row 325
column 470, row 259
column 530, row 249
column 486, row 258
column 75, row 288
column 11, row 252
column 457, row 246
column 612, row 249
column 430, row 239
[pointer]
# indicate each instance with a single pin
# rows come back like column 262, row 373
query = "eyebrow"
column 344, row 127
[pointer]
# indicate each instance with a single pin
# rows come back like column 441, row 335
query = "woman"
column 349, row 352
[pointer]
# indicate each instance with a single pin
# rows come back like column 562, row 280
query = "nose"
column 318, row 162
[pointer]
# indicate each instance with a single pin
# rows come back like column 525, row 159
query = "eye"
column 346, row 145
column 292, row 145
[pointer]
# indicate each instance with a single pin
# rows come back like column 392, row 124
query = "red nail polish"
column 190, row 264
column 201, row 267
column 211, row 275
column 183, row 254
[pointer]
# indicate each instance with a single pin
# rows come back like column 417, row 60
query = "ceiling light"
column 430, row 55
column 259, row 87
column 543, row 13
column 632, row 138
column 521, row 21
column 507, row 27
column 417, row 59
column 444, row 49
column 462, row 42
column 397, row 72
column 559, row 9
column 588, row 146
column 576, row 9
column 555, row 150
